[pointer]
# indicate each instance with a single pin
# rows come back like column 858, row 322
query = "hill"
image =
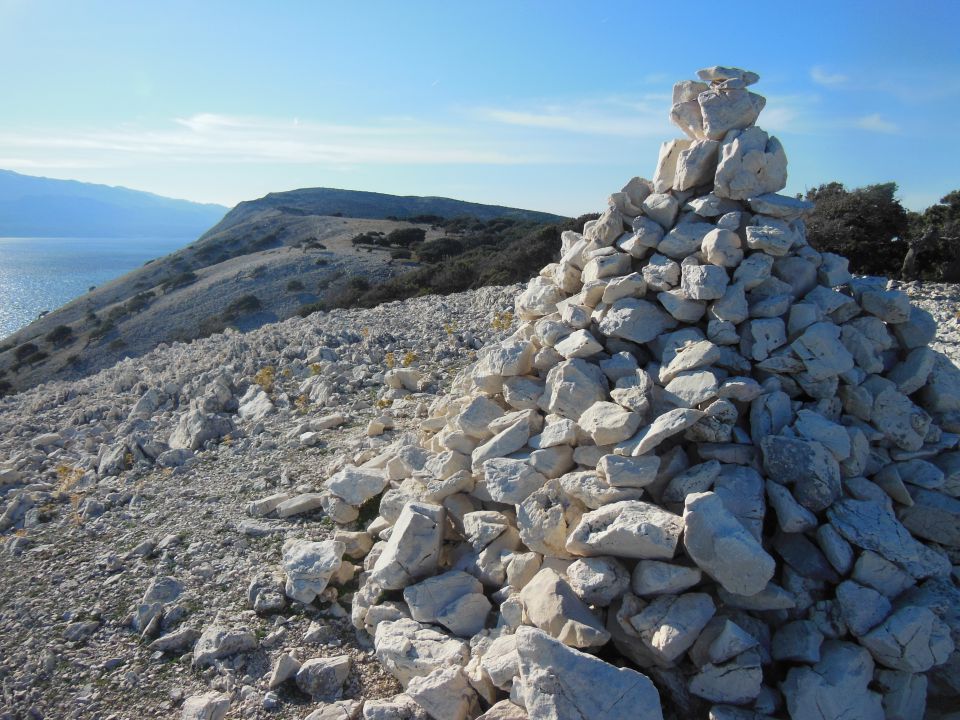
column 371, row 206
column 43, row 207
column 267, row 262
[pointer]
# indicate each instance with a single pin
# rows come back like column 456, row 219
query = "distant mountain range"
column 43, row 207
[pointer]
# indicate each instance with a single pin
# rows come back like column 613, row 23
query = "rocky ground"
column 111, row 540
column 100, row 521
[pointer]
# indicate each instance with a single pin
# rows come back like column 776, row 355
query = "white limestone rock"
column 552, row 605
column 598, row 580
column 545, row 518
column 670, row 624
column 751, row 163
column 696, row 164
column 663, row 177
column 608, row 423
column 836, row 686
column 323, row 677
column 630, row 529
column 912, row 639
column 654, row 577
column 662, row 208
column 572, row 387
column 357, row 485
column 413, row 550
column 444, row 693
column 726, row 110
column 453, row 599
column 637, row 320
column 720, row 546
column 309, row 566
column 410, row 649
column 560, row 682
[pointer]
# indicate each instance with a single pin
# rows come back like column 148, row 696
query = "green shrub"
column 25, row 351
column 400, row 254
column 405, row 237
column 5, row 388
column 437, row 250
column 358, row 282
column 179, row 281
column 294, row 286
column 245, row 305
column 866, row 225
column 60, row 334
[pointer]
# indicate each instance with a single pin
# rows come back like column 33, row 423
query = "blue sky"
column 546, row 105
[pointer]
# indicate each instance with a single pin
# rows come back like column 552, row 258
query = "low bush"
column 179, row 281
column 245, row 305
column 25, row 351
column 60, row 334
column 294, row 286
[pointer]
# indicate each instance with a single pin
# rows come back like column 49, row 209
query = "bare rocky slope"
column 96, row 510
column 95, row 530
column 264, row 261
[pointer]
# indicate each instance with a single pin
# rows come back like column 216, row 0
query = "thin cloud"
column 876, row 123
column 208, row 137
column 822, row 77
column 643, row 116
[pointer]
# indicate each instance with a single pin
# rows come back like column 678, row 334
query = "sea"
column 38, row 274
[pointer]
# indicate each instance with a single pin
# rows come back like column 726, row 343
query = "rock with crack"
column 551, row 605
column 219, row 641
column 559, row 682
column 453, row 599
column 323, row 678
column 309, row 567
column 720, row 546
column 410, row 649
column 413, row 550
column 629, row 529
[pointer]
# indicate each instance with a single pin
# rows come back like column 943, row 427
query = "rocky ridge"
column 623, row 504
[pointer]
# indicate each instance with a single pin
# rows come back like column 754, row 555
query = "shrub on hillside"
column 25, row 351
column 60, row 334
column 515, row 253
column 179, row 281
column 437, row 250
column 867, row 225
column 245, row 305
column 294, row 286
column 405, row 237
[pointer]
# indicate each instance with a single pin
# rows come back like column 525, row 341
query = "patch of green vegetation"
column 60, row 334
column 496, row 252
column 245, row 305
column 178, row 281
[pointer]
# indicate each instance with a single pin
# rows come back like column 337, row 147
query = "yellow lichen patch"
column 302, row 403
column 265, row 378
column 390, row 360
column 409, row 358
column 502, row 320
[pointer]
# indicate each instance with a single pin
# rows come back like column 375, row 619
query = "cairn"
column 710, row 474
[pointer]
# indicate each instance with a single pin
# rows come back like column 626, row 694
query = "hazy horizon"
column 540, row 106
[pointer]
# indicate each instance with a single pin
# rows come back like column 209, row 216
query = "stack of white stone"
column 707, row 452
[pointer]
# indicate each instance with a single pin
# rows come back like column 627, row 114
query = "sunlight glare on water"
column 38, row 274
